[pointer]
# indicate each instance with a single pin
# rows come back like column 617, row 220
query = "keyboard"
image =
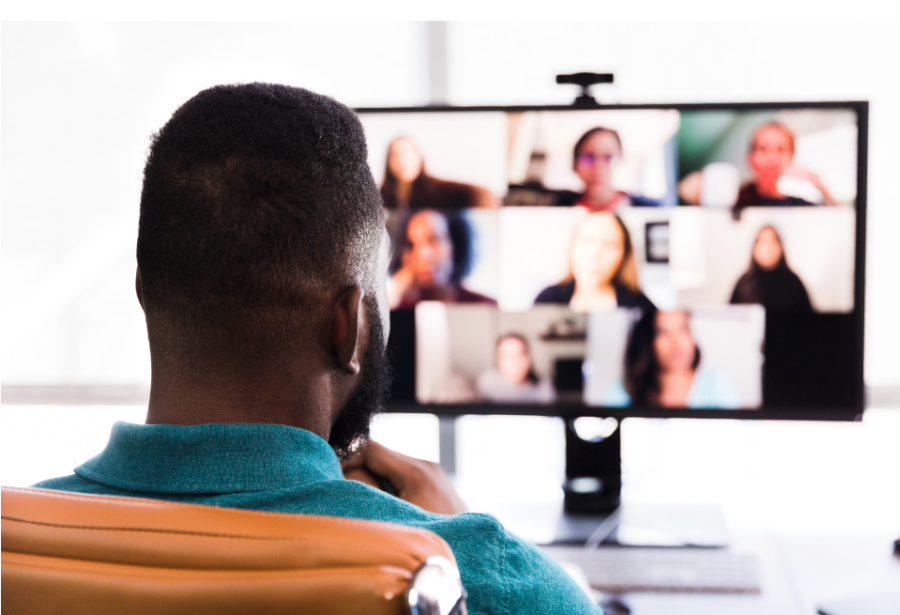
column 640, row 569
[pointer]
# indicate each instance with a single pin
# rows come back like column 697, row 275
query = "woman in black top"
column 769, row 281
column 771, row 156
column 407, row 185
column 602, row 272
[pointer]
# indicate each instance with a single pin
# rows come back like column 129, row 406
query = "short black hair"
column 258, row 205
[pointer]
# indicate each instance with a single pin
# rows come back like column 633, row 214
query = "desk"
column 798, row 572
column 816, row 503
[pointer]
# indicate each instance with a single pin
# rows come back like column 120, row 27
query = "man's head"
column 261, row 239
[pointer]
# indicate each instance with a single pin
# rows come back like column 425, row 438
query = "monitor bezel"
column 849, row 413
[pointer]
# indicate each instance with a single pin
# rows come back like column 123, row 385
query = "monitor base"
column 593, row 510
column 645, row 524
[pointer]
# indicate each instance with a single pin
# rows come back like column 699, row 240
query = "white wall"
column 79, row 103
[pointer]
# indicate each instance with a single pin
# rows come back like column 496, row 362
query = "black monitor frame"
column 848, row 413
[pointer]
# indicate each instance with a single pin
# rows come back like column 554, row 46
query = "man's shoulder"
column 349, row 498
column 481, row 529
column 502, row 572
column 498, row 568
column 73, row 483
column 516, row 575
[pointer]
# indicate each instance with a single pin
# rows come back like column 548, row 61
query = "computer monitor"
column 685, row 260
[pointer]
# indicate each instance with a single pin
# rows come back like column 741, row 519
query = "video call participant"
column 408, row 186
column 513, row 378
column 262, row 259
column 595, row 156
column 662, row 368
column 771, row 157
column 602, row 271
column 768, row 280
column 429, row 267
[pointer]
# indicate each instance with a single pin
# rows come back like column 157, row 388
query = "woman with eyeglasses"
column 596, row 155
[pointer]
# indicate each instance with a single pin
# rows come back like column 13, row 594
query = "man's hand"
column 418, row 482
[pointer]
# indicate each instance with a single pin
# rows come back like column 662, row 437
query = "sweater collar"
column 212, row 458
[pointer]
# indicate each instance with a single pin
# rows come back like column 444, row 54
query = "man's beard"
column 351, row 429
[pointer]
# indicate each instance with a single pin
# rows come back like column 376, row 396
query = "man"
column 262, row 261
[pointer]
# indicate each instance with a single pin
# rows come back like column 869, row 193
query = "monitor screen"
column 686, row 260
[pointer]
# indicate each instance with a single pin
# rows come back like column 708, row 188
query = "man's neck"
column 226, row 397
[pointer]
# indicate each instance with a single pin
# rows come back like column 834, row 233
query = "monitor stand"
column 593, row 511
column 593, row 483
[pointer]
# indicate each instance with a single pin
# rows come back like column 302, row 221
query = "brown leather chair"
column 73, row 553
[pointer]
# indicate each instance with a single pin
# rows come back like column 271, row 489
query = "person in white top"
column 513, row 378
column 662, row 368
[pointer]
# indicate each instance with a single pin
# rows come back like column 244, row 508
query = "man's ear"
column 138, row 288
column 346, row 329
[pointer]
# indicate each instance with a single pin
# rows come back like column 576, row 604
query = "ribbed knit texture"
column 214, row 458
column 284, row 469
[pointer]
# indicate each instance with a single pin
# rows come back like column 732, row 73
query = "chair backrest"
column 75, row 553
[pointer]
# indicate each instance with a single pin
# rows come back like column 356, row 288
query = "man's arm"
column 537, row 584
column 511, row 575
